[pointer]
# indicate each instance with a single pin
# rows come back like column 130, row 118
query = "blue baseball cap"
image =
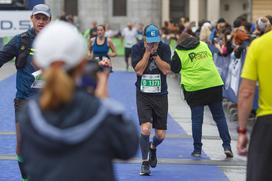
column 152, row 34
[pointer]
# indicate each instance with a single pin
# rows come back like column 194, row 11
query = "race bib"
column 151, row 83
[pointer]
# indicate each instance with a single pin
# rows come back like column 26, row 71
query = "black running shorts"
column 153, row 109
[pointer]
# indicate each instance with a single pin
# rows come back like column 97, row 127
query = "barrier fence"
column 230, row 69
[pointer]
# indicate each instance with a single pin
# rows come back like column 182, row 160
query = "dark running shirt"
column 165, row 54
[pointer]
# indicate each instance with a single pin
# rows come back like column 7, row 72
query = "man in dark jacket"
column 20, row 47
column 202, row 85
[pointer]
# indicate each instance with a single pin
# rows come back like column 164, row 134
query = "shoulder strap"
column 25, row 41
column 23, row 50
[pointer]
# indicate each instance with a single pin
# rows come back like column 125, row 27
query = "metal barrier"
column 230, row 69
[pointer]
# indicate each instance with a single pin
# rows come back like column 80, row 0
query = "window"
column 119, row 8
column 71, row 7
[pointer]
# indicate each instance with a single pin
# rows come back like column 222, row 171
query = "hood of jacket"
column 73, row 123
column 188, row 44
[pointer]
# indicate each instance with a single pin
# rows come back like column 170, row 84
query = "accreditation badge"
column 151, row 83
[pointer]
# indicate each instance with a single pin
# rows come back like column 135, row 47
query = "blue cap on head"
column 152, row 34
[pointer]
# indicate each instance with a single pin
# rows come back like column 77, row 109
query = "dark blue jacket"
column 78, row 141
column 24, row 77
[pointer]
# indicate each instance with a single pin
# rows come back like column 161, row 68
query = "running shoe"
column 145, row 169
column 228, row 153
column 196, row 153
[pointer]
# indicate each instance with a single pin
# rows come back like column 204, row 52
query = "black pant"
column 259, row 165
column 18, row 104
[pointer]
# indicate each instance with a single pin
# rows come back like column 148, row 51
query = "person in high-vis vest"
column 202, row 85
column 20, row 48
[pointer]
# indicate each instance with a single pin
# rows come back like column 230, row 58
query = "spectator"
column 129, row 35
column 205, row 32
column 67, row 133
column 241, row 41
column 263, row 26
column 202, row 85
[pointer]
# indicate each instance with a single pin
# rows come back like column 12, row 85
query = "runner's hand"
column 105, row 63
column 154, row 48
column 148, row 47
column 242, row 144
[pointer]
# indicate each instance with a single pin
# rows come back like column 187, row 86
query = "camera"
column 88, row 79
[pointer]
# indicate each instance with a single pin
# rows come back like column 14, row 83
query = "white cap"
column 59, row 41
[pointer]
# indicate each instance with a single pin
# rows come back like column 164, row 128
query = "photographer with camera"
column 67, row 133
column 151, row 62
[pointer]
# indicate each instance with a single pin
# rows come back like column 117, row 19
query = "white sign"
column 5, row 1
column 14, row 22
column 234, row 74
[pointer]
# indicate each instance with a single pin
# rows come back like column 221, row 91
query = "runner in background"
column 129, row 37
column 91, row 32
column 151, row 62
column 20, row 47
column 100, row 46
column 140, row 32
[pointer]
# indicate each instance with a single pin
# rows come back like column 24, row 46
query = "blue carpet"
column 7, row 144
column 9, row 170
column 7, row 92
column 121, row 88
column 171, row 172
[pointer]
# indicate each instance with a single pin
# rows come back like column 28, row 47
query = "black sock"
column 156, row 141
column 144, row 144
column 21, row 166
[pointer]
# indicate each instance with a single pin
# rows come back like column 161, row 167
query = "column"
column 213, row 10
column 165, row 9
column 194, row 10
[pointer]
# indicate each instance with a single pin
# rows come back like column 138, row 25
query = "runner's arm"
column 142, row 64
column 90, row 48
column 139, row 59
column 163, row 59
column 9, row 51
column 162, row 65
column 245, row 101
column 113, row 49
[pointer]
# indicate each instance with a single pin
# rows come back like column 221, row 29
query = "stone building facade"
column 149, row 11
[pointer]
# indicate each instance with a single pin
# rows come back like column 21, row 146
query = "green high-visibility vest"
column 198, row 70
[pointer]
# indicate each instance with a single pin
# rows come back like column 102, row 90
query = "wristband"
column 241, row 130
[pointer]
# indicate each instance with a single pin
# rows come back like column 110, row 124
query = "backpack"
column 24, row 51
